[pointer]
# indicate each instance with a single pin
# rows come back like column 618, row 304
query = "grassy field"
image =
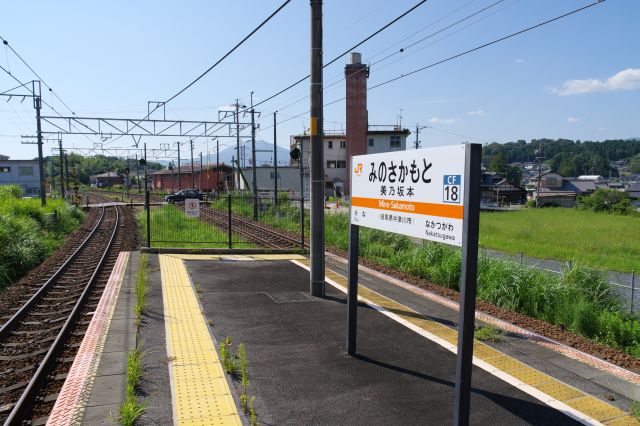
column 170, row 226
column 598, row 240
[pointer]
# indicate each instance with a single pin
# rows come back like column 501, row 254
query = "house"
column 106, row 180
column 288, row 178
column 335, row 147
column 633, row 190
column 208, row 177
column 23, row 173
column 556, row 190
column 497, row 190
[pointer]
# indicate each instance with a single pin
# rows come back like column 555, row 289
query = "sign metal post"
column 433, row 194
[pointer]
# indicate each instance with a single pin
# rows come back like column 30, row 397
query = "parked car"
column 182, row 195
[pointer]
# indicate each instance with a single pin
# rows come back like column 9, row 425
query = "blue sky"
column 577, row 78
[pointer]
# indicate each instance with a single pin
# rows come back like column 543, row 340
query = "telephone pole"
column 253, row 165
column 237, row 116
column 200, row 171
column 193, row 176
column 37, row 101
column 179, row 175
column 317, row 155
column 418, row 128
column 218, row 187
column 539, row 157
column 275, row 162
column 61, row 168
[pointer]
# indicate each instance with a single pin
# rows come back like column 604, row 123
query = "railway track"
column 39, row 341
column 251, row 230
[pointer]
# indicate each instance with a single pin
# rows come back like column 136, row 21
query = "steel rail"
column 6, row 327
column 25, row 403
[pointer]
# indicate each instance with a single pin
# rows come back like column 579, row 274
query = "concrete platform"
column 298, row 370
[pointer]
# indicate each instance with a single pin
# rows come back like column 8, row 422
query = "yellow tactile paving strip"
column 199, row 390
column 573, row 402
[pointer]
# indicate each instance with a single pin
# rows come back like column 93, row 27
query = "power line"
column 229, row 52
column 369, row 37
column 6, row 43
column 341, row 78
column 457, row 55
column 216, row 63
column 482, row 46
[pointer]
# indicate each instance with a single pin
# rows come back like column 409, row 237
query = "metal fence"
column 228, row 221
column 625, row 284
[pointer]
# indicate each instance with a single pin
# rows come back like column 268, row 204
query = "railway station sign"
column 192, row 207
column 418, row 193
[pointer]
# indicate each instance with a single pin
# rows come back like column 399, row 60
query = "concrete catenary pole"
column 254, row 183
column 317, row 155
column 237, row 117
column 43, row 190
column 275, row 162
column 61, row 168
column 193, row 176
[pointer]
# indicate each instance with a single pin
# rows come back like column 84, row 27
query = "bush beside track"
column 29, row 233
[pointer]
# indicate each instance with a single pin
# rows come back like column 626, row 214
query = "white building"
column 379, row 139
column 23, row 173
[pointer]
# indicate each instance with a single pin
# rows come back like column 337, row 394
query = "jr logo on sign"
column 451, row 189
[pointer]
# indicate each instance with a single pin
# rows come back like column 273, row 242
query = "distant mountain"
column 264, row 154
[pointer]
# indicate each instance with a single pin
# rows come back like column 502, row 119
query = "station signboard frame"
column 432, row 194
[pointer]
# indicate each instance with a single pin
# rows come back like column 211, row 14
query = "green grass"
column 635, row 410
column 28, row 233
column 141, row 288
column 132, row 407
column 579, row 299
column 598, row 240
column 170, row 227
column 488, row 333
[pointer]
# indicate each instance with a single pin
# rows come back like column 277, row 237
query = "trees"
column 634, row 164
column 608, row 200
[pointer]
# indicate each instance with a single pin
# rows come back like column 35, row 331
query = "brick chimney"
column 356, row 74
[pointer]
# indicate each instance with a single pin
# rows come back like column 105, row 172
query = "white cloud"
column 519, row 60
column 440, row 120
column 628, row 79
column 601, row 129
column 477, row 113
column 573, row 119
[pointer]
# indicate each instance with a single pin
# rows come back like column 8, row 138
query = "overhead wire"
column 341, row 77
column 466, row 52
column 369, row 37
column 233, row 49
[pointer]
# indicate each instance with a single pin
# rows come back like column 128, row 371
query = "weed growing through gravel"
column 488, row 333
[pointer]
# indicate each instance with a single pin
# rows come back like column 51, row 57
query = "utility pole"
column 253, row 158
column 179, row 175
column 201, row 171
column 237, row 117
column 61, row 168
column 66, row 170
column 539, row 158
column 418, row 128
column 218, row 186
column 43, row 190
column 317, row 154
column 275, row 162
column 146, row 197
column 193, row 177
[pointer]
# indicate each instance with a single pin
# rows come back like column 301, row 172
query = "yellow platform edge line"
column 489, row 359
column 200, row 394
